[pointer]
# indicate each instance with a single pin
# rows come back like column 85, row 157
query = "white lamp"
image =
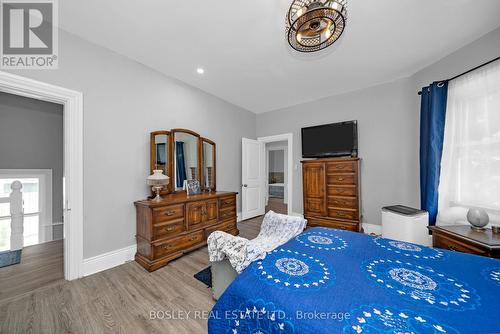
column 157, row 181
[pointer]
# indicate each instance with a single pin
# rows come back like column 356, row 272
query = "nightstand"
column 463, row 238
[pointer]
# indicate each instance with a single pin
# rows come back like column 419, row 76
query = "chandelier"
column 313, row 25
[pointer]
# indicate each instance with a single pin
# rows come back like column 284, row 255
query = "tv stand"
column 331, row 193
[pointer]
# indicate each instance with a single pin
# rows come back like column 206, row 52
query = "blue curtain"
column 180, row 164
column 432, row 120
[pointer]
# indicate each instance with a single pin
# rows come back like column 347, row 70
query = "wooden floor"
column 277, row 205
column 118, row 300
column 41, row 265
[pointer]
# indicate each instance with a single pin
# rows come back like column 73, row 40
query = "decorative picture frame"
column 193, row 187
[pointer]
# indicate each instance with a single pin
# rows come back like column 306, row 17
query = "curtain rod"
column 472, row 69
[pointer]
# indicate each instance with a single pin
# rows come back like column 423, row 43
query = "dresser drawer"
column 341, row 166
column 343, row 214
column 167, row 213
column 166, row 247
column 442, row 241
column 343, row 202
column 227, row 202
column 227, row 214
column 341, row 179
column 342, row 190
column 168, row 228
column 340, row 225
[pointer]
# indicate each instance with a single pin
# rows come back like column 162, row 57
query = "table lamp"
column 157, row 181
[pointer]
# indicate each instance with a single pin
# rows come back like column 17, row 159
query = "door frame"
column 288, row 137
column 72, row 102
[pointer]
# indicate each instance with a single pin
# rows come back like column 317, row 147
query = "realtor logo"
column 29, row 36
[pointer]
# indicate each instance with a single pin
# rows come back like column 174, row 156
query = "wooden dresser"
column 331, row 193
column 179, row 224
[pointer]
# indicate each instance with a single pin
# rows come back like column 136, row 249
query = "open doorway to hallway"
column 31, row 170
column 276, row 173
column 262, row 189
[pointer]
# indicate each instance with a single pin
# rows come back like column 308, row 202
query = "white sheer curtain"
column 470, row 166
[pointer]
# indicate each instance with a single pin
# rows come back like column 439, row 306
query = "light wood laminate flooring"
column 118, row 300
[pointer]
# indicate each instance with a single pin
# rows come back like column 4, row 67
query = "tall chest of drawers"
column 179, row 223
column 331, row 193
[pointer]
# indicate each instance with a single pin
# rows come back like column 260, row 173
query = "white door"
column 253, row 179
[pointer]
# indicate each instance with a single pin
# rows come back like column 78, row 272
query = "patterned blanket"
column 332, row 281
column 276, row 229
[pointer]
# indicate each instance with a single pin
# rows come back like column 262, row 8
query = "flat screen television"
column 330, row 140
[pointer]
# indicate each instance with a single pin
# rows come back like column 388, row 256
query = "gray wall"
column 389, row 124
column 387, row 141
column 31, row 137
column 478, row 52
column 123, row 102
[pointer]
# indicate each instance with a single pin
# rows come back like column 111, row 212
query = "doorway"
column 31, row 189
column 72, row 204
column 255, row 177
column 276, row 177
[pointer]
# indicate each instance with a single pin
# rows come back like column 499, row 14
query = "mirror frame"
column 214, row 157
column 198, row 154
column 152, row 156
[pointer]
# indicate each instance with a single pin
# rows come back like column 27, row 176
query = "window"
column 470, row 166
column 37, row 199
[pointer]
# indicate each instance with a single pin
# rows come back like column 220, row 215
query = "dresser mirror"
column 186, row 156
column 183, row 155
column 160, row 154
column 208, row 163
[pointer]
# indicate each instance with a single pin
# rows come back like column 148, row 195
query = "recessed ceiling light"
column 199, row 70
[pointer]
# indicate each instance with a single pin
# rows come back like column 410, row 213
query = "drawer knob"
column 171, row 228
column 192, row 239
column 169, row 213
column 340, row 178
column 452, row 248
column 226, row 202
column 165, row 246
column 340, row 166
column 340, row 190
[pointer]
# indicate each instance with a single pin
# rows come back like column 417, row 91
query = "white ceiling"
column 241, row 44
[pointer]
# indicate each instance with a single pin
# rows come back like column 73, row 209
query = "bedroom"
column 121, row 74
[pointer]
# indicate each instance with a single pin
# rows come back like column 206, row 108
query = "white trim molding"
column 288, row 137
column 108, row 260
column 372, row 229
column 72, row 102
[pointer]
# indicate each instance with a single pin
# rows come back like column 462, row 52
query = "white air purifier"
column 405, row 224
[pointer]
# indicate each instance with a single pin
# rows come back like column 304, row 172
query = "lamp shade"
column 158, row 178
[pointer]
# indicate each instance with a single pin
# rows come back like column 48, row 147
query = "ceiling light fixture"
column 313, row 25
column 199, row 70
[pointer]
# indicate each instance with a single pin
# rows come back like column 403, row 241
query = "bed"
column 333, row 281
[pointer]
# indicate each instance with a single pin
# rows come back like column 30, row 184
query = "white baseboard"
column 108, row 260
column 238, row 217
column 372, row 228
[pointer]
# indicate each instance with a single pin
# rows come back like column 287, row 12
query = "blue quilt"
column 333, row 281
